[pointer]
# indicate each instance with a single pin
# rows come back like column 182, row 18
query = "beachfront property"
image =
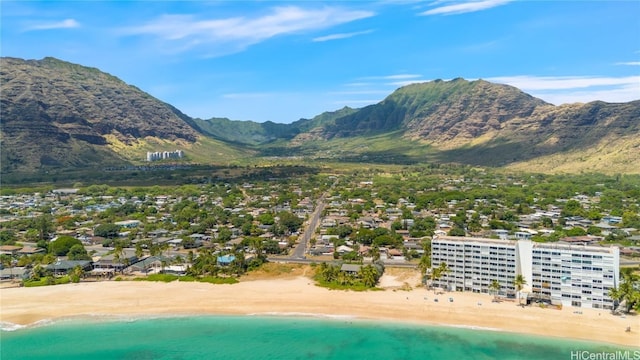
column 571, row 275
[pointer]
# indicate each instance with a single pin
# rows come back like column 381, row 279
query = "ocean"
column 277, row 337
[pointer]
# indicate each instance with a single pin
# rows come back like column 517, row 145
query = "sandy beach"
column 298, row 295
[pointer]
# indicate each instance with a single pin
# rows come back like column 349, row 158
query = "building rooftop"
column 473, row 239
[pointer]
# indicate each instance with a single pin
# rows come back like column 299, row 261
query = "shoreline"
column 39, row 306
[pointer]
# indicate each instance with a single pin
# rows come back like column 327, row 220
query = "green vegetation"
column 171, row 277
column 330, row 276
column 519, row 282
column 628, row 292
column 63, row 244
column 251, row 213
column 48, row 280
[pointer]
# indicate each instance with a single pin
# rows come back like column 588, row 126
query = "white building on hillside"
column 571, row 275
column 164, row 155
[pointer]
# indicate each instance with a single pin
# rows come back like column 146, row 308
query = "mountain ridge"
column 85, row 117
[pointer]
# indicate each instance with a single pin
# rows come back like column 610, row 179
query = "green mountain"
column 253, row 133
column 57, row 114
column 61, row 115
column 480, row 123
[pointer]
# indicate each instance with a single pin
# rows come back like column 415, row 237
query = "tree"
column 631, row 219
column 44, row 225
column 118, row 254
column 7, row 237
column 369, row 275
column 519, row 282
column 435, row 275
column 78, row 252
column 108, row 231
column 495, row 288
column 257, row 244
column 76, row 274
column 628, row 292
column 224, row 235
column 7, row 262
column 615, row 295
column 290, row 221
column 63, row 244
column 457, row 231
column 572, row 208
column 38, row 272
column 32, row 235
column 576, row 231
column 375, row 253
column 266, row 219
column 139, row 250
column 425, row 264
column 444, row 269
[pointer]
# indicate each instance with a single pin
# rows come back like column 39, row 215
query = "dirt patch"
column 278, row 271
column 399, row 278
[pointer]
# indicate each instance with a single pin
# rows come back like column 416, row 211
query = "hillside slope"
column 59, row 114
column 55, row 114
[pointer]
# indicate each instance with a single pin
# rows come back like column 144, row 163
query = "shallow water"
column 277, row 337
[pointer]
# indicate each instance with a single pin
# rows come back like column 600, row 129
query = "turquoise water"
column 251, row 337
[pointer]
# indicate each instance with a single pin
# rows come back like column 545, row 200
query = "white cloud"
column 526, row 82
column 237, row 33
column 358, row 84
column 341, row 36
column 629, row 63
column 392, row 77
column 571, row 89
column 63, row 24
column 464, row 7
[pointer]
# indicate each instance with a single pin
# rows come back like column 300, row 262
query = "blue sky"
column 281, row 61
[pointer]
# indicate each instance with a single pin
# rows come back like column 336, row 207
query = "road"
column 314, row 221
column 292, row 260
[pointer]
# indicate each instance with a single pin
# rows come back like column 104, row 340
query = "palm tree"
column 519, row 282
column 375, row 253
column 369, row 275
column 627, row 292
column 444, row 270
column 119, row 255
column 258, row 246
column 435, row 275
column 77, row 273
column 139, row 251
column 164, row 247
column 615, row 295
column 7, row 261
column 344, row 278
column 424, row 264
column 495, row 287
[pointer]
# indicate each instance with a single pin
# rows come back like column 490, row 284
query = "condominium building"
column 164, row 155
column 575, row 275
column 571, row 275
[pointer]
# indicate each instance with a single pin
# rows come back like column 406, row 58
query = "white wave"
column 303, row 314
column 9, row 326
column 473, row 327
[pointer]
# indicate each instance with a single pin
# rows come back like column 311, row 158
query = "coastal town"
column 226, row 230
